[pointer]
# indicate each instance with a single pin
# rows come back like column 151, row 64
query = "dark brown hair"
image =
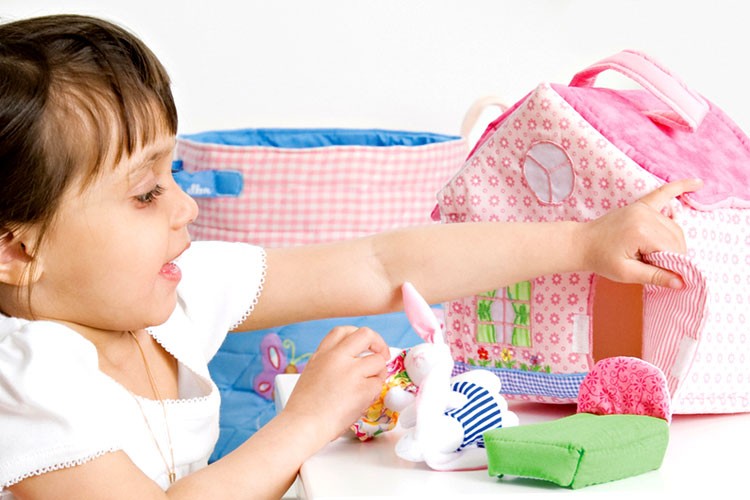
column 76, row 94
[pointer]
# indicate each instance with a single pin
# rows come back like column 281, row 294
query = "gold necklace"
column 157, row 395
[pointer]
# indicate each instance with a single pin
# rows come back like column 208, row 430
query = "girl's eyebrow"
column 146, row 158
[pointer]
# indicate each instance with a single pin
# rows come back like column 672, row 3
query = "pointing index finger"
column 659, row 198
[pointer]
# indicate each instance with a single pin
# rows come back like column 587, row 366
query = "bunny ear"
column 420, row 315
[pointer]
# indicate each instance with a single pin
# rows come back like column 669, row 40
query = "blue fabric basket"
column 239, row 361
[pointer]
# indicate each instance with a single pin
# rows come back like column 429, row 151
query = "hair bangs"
column 91, row 126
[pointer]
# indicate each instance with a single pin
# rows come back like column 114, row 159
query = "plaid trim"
column 315, row 195
column 528, row 383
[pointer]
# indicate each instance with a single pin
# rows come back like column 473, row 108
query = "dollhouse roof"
column 717, row 152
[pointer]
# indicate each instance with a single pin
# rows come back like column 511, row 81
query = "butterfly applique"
column 273, row 353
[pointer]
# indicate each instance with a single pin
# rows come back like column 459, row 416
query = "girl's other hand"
column 339, row 383
column 615, row 243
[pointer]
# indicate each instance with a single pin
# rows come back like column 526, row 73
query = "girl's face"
column 107, row 260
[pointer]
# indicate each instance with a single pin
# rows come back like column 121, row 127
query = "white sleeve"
column 56, row 407
column 221, row 284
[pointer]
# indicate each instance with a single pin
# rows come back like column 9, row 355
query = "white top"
column 58, row 410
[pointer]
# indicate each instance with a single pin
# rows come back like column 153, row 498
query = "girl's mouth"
column 171, row 271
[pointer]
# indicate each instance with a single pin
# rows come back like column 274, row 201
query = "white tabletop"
column 706, row 454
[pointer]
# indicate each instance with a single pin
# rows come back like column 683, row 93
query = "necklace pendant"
column 170, row 470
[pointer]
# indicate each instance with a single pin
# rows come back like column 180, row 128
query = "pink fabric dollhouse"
column 573, row 153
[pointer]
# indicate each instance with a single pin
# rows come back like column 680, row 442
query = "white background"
column 410, row 64
column 418, row 65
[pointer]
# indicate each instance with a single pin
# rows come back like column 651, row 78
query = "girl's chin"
column 163, row 310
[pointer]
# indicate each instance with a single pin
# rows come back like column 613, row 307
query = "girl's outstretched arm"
column 447, row 261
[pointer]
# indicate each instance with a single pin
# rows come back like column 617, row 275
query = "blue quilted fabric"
column 239, row 361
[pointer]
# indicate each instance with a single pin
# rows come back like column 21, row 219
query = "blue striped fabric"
column 481, row 413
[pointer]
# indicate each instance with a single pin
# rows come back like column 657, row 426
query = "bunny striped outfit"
column 480, row 413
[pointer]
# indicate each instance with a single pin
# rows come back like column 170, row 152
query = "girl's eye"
column 150, row 197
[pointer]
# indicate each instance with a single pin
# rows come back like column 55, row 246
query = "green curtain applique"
column 518, row 298
column 486, row 327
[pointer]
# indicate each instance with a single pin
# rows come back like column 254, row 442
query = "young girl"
column 110, row 315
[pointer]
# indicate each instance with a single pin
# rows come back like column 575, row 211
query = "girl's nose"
column 186, row 210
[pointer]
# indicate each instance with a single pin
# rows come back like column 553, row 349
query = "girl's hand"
column 342, row 378
column 615, row 243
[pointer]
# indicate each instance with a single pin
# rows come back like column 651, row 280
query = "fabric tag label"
column 581, row 330
column 685, row 354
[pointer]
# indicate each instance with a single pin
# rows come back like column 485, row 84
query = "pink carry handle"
column 686, row 108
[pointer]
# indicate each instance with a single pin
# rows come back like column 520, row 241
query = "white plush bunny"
column 446, row 418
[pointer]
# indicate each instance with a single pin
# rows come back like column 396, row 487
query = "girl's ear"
column 14, row 258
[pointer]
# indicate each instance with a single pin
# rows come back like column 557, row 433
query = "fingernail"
column 675, row 283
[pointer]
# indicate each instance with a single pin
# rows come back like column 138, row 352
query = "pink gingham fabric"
column 576, row 153
column 314, row 195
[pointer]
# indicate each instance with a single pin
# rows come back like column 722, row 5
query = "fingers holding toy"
column 351, row 352
column 365, row 342
column 339, row 382
column 617, row 241
column 365, row 347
